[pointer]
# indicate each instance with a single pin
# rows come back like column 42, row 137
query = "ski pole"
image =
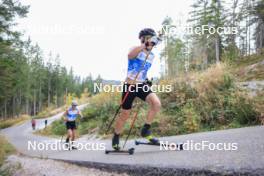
column 61, row 138
column 126, row 95
column 131, row 126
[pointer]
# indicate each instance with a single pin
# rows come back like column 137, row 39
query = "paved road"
column 248, row 159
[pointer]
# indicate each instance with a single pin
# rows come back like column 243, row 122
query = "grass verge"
column 13, row 121
column 5, row 149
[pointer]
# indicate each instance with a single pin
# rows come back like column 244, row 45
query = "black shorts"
column 140, row 90
column 71, row 125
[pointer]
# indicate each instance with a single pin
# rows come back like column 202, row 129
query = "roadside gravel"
column 18, row 165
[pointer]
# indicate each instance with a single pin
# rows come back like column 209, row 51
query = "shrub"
column 192, row 118
column 85, row 127
column 209, row 103
column 101, row 108
column 244, row 111
column 58, row 127
column 172, row 102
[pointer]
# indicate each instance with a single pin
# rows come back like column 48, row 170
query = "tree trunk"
column 34, row 103
column 56, row 95
column 233, row 36
column 49, row 92
column 217, row 48
column 249, row 33
column 5, row 109
column 66, row 96
column 246, row 44
column 27, row 107
column 13, row 106
column 40, row 99
column 20, row 103
column 166, row 57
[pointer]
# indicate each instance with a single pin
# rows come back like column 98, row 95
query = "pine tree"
column 207, row 13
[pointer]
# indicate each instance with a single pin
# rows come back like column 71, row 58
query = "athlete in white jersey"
column 137, row 69
column 70, row 118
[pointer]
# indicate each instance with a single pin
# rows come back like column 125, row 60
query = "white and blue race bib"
column 135, row 65
column 72, row 114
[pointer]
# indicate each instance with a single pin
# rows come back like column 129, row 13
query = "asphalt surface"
column 246, row 158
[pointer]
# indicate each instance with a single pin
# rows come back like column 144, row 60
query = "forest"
column 29, row 82
column 197, row 51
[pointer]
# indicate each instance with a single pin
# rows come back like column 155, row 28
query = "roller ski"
column 130, row 151
column 179, row 146
column 146, row 133
column 117, row 149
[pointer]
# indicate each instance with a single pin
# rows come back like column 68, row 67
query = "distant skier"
column 71, row 115
column 46, row 123
column 33, row 123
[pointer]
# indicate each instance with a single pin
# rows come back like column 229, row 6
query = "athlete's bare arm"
column 135, row 51
column 64, row 116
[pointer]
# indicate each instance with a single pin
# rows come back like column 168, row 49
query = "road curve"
column 248, row 159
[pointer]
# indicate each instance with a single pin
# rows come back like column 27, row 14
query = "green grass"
column 13, row 121
column 56, row 129
column 48, row 112
column 243, row 71
column 5, row 149
column 248, row 60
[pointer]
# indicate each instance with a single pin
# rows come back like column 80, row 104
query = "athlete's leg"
column 127, row 98
column 153, row 100
column 154, row 103
column 121, row 120
column 73, row 138
column 69, row 135
column 73, row 134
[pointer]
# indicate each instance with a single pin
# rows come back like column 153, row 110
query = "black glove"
column 155, row 40
column 149, row 82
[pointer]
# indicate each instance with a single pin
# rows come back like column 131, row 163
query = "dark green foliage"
column 58, row 127
column 28, row 84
